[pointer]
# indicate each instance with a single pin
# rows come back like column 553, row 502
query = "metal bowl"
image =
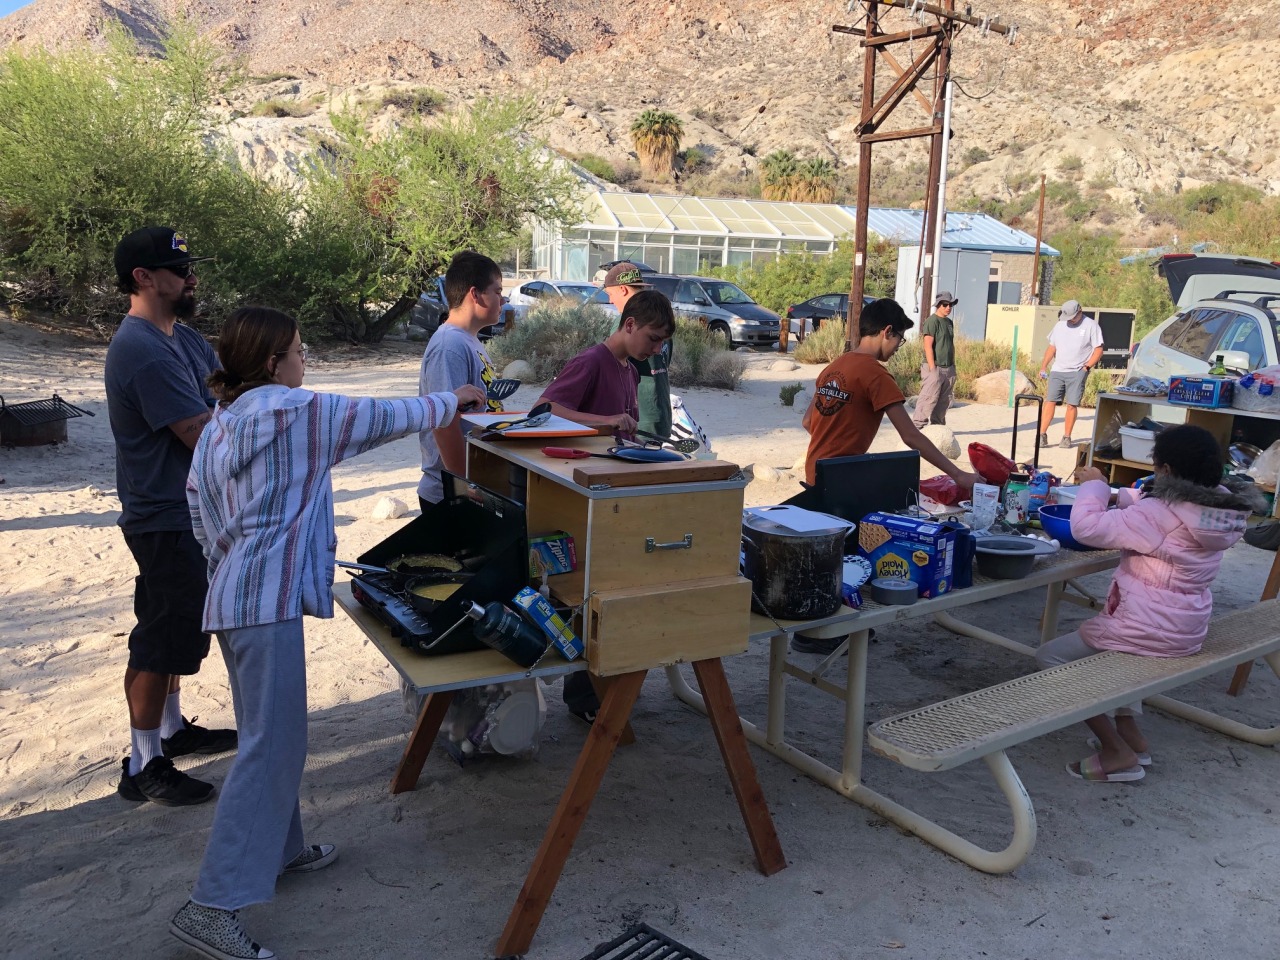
column 1243, row 454
column 1009, row 558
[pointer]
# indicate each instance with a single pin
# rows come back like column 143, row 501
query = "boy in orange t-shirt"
column 855, row 392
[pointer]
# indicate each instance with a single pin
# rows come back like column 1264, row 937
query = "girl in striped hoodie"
column 261, row 501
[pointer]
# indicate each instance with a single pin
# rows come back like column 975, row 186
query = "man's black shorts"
column 168, row 602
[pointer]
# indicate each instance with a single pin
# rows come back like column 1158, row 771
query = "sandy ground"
column 1178, row 866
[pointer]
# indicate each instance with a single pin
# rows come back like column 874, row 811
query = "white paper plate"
column 857, row 571
column 515, row 723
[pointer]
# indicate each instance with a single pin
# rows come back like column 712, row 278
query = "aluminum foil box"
column 913, row 549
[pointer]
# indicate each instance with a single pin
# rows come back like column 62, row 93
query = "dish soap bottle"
column 504, row 631
column 1219, row 369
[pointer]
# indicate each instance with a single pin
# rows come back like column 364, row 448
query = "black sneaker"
column 163, row 783
column 587, row 715
column 820, row 645
column 194, row 739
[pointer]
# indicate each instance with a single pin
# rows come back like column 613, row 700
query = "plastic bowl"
column 1056, row 521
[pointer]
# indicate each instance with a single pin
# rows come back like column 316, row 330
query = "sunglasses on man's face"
column 183, row 271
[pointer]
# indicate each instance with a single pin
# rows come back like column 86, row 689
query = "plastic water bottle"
column 506, row 632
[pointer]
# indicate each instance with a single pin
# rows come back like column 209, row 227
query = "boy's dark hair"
column 650, row 308
column 1190, row 452
column 466, row 270
column 882, row 313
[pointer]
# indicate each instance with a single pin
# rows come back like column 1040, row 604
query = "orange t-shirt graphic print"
column 849, row 400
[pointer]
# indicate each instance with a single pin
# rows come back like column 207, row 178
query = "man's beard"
column 184, row 308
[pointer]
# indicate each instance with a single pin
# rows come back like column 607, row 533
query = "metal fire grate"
column 642, row 942
column 35, row 412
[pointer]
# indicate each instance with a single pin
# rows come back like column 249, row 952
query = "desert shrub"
column 415, row 99
column 822, row 346
column 281, row 108
column 596, row 165
column 976, row 155
column 794, row 277
column 693, row 159
column 551, row 335
column 700, row 360
column 1070, row 163
column 904, row 366
column 1100, row 381
column 787, row 393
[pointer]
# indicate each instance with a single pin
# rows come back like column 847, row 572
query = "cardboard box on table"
column 909, row 548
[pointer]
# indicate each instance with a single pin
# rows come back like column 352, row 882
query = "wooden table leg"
column 601, row 686
column 575, row 802
column 737, row 761
column 1269, row 592
column 420, row 741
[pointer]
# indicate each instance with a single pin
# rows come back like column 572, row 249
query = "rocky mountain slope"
column 1145, row 94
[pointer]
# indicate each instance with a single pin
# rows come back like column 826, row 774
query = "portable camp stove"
column 379, row 594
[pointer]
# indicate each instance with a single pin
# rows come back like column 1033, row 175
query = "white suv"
column 1226, row 305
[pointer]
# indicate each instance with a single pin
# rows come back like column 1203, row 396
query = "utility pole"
column 937, row 38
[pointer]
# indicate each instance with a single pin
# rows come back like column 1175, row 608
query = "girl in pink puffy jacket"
column 1172, row 536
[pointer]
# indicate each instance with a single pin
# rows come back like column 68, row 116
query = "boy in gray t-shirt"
column 455, row 356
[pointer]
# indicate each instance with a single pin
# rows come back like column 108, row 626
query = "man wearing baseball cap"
column 623, row 281
column 158, row 403
column 938, row 371
column 1075, row 347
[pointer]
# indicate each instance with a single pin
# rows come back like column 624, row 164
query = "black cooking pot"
column 794, row 576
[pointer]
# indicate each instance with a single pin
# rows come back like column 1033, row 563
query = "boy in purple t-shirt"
column 598, row 388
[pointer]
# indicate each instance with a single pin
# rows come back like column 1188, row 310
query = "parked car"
column 723, row 307
column 532, row 292
column 432, row 309
column 1227, row 305
column 817, row 309
column 606, row 267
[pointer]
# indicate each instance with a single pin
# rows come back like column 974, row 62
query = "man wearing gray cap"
column 1075, row 347
column 938, row 372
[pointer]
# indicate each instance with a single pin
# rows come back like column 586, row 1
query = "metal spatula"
column 684, row 446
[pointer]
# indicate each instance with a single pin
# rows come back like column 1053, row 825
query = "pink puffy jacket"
column 1172, row 538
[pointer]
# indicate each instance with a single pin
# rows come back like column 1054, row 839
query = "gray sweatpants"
column 1071, row 647
column 936, row 387
column 257, row 828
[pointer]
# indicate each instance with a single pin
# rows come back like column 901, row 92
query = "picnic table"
column 1057, row 572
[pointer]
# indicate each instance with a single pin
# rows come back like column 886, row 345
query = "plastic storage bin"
column 1137, row 444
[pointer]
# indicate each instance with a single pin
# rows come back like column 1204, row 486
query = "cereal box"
column 918, row 550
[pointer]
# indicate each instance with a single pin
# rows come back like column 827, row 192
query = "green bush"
column 700, row 360
column 281, row 108
column 596, row 165
column 795, row 277
column 787, row 393
column 693, row 159
column 420, row 100
column 823, row 346
column 551, row 335
column 93, row 145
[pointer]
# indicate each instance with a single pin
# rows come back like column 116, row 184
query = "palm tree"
column 777, row 175
column 815, row 181
column 656, row 135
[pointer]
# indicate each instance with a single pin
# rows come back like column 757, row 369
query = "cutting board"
column 619, row 474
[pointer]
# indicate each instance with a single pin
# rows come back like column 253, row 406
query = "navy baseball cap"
column 152, row 248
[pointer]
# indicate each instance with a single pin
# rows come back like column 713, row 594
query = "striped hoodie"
column 261, row 496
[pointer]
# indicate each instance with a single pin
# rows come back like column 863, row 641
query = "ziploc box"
column 918, row 550
column 552, row 553
column 544, row 615
column 1209, row 392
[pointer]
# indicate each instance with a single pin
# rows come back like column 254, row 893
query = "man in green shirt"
column 654, row 393
column 938, row 372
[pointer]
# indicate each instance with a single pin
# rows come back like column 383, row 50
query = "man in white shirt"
column 1075, row 347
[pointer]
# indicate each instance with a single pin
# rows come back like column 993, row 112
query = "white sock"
column 171, row 723
column 146, row 745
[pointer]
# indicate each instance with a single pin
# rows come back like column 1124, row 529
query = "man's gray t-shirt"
column 453, row 358
column 152, row 381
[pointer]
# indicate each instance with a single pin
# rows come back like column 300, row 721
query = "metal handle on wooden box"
column 650, row 544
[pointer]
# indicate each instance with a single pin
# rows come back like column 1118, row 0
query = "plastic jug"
column 506, row 632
